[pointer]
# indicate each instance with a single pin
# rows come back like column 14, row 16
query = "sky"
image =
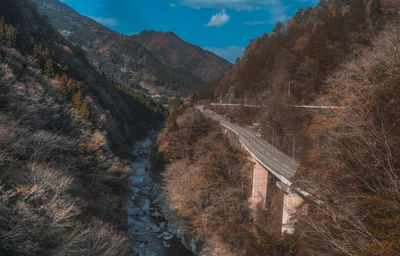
column 224, row 27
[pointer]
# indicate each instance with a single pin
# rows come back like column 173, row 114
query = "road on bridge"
column 265, row 153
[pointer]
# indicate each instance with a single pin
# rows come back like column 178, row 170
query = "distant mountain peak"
column 153, row 61
column 155, row 32
column 172, row 50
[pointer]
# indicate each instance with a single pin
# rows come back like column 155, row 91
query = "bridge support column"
column 290, row 202
column 260, row 185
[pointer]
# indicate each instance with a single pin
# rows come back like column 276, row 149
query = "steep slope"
column 354, row 165
column 300, row 54
column 343, row 54
column 131, row 118
column 173, row 51
column 56, row 170
column 123, row 58
column 206, row 180
column 60, row 181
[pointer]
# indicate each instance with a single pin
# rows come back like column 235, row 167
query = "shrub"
column 206, row 182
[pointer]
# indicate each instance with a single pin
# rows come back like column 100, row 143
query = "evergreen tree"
column 49, row 67
column 279, row 27
column 357, row 15
column 64, row 78
column 37, row 51
column 84, row 109
column 11, row 35
column 77, row 99
column 46, row 52
column 2, row 23
column 376, row 10
column 70, row 87
column 62, row 87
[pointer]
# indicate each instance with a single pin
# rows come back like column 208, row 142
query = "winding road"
column 274, row 160
column 266, row 154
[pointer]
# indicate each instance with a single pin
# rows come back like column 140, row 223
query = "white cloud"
column 230, row 52
column 230, row 4
column 111, row 22
column 218, row 19
column 172, row 5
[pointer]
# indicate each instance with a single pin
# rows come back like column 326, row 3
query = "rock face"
column 157, row 63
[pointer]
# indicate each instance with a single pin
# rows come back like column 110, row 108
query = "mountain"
column 173, row 51
column 66, row 63
column 301, row 54
column 64, row 131
column 343, row 55
column 142, row 62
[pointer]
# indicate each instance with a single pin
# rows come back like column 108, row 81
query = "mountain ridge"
column 124, row 59
column 171, row 50
column 66, row 134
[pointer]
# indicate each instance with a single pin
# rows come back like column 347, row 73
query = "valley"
column 149, row 231
column 116, row 143
column 151, row 62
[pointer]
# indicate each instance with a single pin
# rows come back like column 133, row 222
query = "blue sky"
column 224, row 27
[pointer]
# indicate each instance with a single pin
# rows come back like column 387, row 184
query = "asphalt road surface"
column 265, row 152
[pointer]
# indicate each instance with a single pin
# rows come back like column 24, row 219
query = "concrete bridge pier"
column 272, row 192
column 291, row 201
column 260, row 185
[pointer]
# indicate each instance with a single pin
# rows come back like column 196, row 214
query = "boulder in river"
column 136, row 212
column 166, row 245
column 167, row 236
column 155, row 228
column 156, row 215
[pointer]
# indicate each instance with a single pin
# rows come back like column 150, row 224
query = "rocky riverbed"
column 149, row 231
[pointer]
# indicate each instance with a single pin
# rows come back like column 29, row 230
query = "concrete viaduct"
column 267, row 160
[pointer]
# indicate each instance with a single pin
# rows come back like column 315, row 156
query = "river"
column 149, row 233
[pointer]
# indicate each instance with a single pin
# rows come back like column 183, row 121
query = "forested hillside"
column 62, row 125
column 301, row 53
column 170, row 49
column 131, row 59
column 66, row 63
column 354, row 166
column 341, row 54
column 207, row 182
column 56, row 170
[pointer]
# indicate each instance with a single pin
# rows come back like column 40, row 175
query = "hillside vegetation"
column 66, row 63
column 354, row 164
column 302, row 52
column 175, row 52
column 62, row 125
column 207, row 182
column 339, row 53
column 154, row 62
column 60, row 185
